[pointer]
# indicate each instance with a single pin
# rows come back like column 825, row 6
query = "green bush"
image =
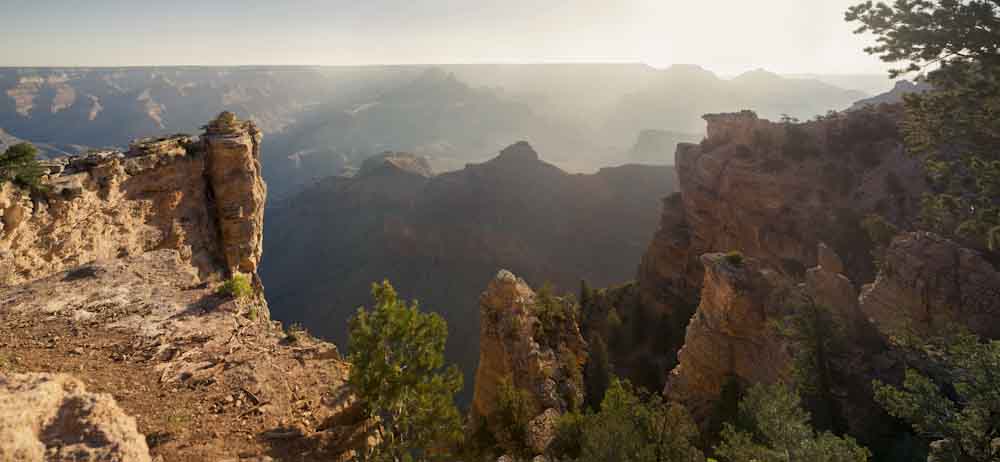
column 553, row 313
column 237, row 287
column 19, row 164
column 774, row 427
column 399, row 373
column 514, row 410
column 734, row 258
column 634, row 426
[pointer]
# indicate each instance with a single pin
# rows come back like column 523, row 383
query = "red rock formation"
column 514, row 346
column 117, row 267
column 927, row 284
column 729, row 336
column 774, row 191
column 173, row 193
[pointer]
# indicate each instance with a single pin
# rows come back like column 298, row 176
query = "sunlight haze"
column 728, row 36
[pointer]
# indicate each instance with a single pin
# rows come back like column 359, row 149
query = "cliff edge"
column 111, row 275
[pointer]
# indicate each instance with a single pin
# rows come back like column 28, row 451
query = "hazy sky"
column 727, row 36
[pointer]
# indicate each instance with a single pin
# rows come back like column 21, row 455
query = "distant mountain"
column 678, row 97
column 323, row 121
column 110, row 107
column 441, row 238
column 871, row 84
column 902, row 88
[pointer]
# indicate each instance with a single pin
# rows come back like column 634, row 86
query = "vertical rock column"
column 234, row 174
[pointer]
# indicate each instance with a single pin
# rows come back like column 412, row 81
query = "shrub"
column 637, row 427
column 775, row 427
column 19, row 164
column 734, row 258
column 237, row 287
column 553, row 312
column 509, row 422
column 398, row 372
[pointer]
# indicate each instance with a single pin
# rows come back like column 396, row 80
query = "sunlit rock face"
column 112, row 272
column 729, row 336
column 774, row 191
column 545, row 361
column 178, row 192
column 42, row 415
column 928, row 284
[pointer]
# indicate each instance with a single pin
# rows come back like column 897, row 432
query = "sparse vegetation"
column 554, row 313
column 295, row 333
column 237, row 287
column 954, row 126
column 19, row 165
column 734, row 258
column 514, row 410
column 772, row 426
column 820, row 337
column 398, row 371
column 959, row 409
column 632, row 426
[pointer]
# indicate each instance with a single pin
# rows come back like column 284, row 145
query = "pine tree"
column 397, row 357
column 775, row 428
column 19, row 165
column 961, row 411
column 955, row 126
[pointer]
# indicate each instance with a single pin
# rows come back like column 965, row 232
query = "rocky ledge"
column 177, row 192
column 111, row 275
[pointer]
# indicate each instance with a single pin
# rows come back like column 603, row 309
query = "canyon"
column 441, row 238
column 110, row 273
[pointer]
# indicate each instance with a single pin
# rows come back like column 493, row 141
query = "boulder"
column 52, row 417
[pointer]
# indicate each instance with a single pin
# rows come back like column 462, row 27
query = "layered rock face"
column 53, row 417
column 729, row 336
column 516, row 346
column 743, row 332
column 238, row 189
column 929, row 284
column 117, row 266
column 170, row 193
column 774, row 191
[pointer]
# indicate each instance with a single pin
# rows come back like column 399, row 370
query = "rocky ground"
column 205, row 376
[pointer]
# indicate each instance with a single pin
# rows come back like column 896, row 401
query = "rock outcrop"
column 112, row 276
column 774, row 191
column 744, row 332
column 237, row 186
column 170, row 193
column 47, row 417
column 517, row 346
column 927, row 284
column 730, row 336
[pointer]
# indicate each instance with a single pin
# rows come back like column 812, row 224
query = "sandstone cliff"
column 928, row 284
column 730, row 336
column 111, row 277
column 752, row 326
column 204, row 199
column 533, row 350
column 774, row 191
